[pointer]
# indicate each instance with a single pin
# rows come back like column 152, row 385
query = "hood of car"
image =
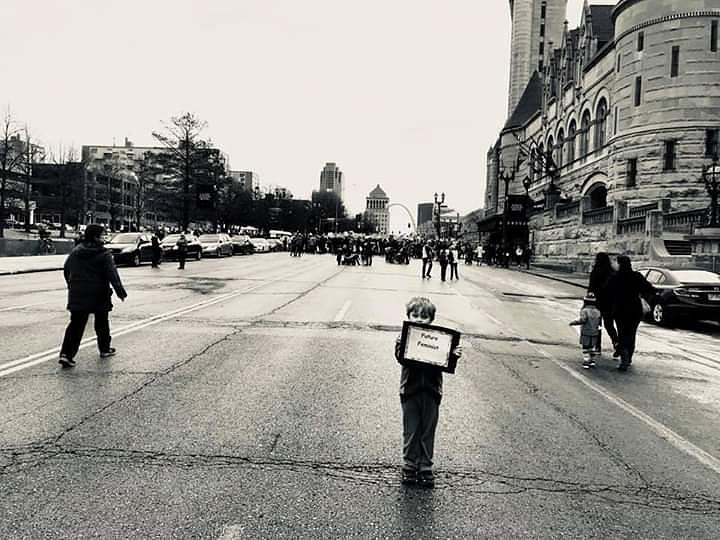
column 117, row 247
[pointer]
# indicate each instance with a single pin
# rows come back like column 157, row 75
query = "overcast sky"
column 408, row 94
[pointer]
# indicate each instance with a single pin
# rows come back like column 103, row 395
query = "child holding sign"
column 420, row 395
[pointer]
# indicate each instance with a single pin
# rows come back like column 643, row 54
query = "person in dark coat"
column 156, row 251
column 181, row 244
column 625, row 289
column 89, row 272
column 600, row 276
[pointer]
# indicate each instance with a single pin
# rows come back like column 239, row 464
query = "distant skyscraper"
column 376, row 211
column 425, row 212
column 535, row 23
column 331, row 179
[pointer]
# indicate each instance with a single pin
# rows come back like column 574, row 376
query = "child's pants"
column 420, row 418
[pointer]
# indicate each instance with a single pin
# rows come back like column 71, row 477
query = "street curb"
column 561, row 280
column 31, row 271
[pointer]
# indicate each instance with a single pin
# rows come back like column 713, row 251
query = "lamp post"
column 710, row 177
column 438, row 205
column 507, row 176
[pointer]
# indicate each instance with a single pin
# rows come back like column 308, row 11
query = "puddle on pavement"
column 197, row 284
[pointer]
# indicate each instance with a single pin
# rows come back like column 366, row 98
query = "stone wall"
column 10, row 247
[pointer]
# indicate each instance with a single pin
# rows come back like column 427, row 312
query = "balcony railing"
column 598, row 216
column 641, row 210
column 633, row 225
column 563, row 211
column 683, row 222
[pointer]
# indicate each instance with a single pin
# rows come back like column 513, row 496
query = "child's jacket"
column 415, row 379
column 590, row 319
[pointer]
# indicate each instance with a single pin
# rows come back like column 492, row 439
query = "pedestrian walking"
column 519, row 252
column 443, row 260
column 626, row 288
column 600, row 276
column 453, row 256
column 182, row 250
column 89, row 272
column 420, row 396
column 156, row 250
column 590, row 319
column 479, row 254
column 427, row 259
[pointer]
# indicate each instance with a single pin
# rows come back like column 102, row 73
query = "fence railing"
column 563, row 211
column 633, row 225
column 683, row 222
column 641, row 210
column 598, row 216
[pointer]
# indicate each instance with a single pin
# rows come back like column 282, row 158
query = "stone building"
column 607, row 145
column 377, row 212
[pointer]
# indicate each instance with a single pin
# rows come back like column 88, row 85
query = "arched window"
column 533, row 164
column 600, row 124
column 541, row 160
column 571, row 142
column 551, row 149
column 597, row 197
column 560, row 150
column 585, row 134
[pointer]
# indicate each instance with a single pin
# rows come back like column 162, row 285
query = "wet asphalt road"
column 256, row 397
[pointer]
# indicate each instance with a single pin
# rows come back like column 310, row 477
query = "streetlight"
column 437, row 206
column 710, row 178
column 506, row 176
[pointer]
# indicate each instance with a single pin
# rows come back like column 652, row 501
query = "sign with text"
column 427, row 345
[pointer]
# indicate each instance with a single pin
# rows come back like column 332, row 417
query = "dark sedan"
column 169, row 245
column 130, row 248
column 242, row 245
column 689, row 294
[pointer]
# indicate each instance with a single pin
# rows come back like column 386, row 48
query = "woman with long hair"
column 600, row 276
column 625, row 288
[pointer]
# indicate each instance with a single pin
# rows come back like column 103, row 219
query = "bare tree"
column 69, row 180
column 32, row 152
column 186, row 156
column 11, row 157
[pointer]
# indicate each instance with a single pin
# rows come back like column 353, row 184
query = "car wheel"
column 198, row 255
column 136, row 260
column 659, row 314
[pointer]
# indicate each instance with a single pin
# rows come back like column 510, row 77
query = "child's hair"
column 421, row 304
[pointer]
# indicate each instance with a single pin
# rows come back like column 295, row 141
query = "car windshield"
column 174, row 238
column 125, row 238
column 696, row 276
column 209, row 238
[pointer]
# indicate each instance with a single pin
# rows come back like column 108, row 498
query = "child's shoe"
column 426, row 479
column 408, row 477
column 587, row 364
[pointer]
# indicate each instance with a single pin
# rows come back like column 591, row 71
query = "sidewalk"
column 32, row 263
column 571, row 278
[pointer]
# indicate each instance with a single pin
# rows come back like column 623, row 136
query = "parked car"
column 216, row 245
column 275, row 244
column 130, row 248
column 242, row 245
column 170, row 250
column 261, row 245
column 683, row 293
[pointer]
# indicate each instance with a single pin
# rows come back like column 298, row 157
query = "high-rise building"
column 331, row 179
column 535, row 24
column 424, row 212
column 247, row 179
column 376, row 211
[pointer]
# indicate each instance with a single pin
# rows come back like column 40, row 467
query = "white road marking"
column 232, row 532
column 343, row 311
column 51, row 354
column 23, row 306
column 665, row 432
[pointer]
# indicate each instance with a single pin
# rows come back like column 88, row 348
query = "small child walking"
column 590, row 319
column 420, row 396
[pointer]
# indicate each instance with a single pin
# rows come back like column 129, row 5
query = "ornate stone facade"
column 377, row 211
column 613, row 136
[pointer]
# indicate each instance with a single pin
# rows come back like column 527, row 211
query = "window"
column 675, row 61
column 615, row 118
column 542, row 30
column 571, row 142
column 711, row 142
column 669, row 156
column 600, row 124
column 631, row 177
column 542, row 160
column 714, row 36
column 641, row 41
column 585, row 134
column 618, row 63
column 543, row 10
column 551, row 152
column 542, row 48
column 561, row 146
column 638, row 90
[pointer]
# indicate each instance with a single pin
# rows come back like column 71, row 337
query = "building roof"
column 602, row 24
column 377, row 193
column 530, row 103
